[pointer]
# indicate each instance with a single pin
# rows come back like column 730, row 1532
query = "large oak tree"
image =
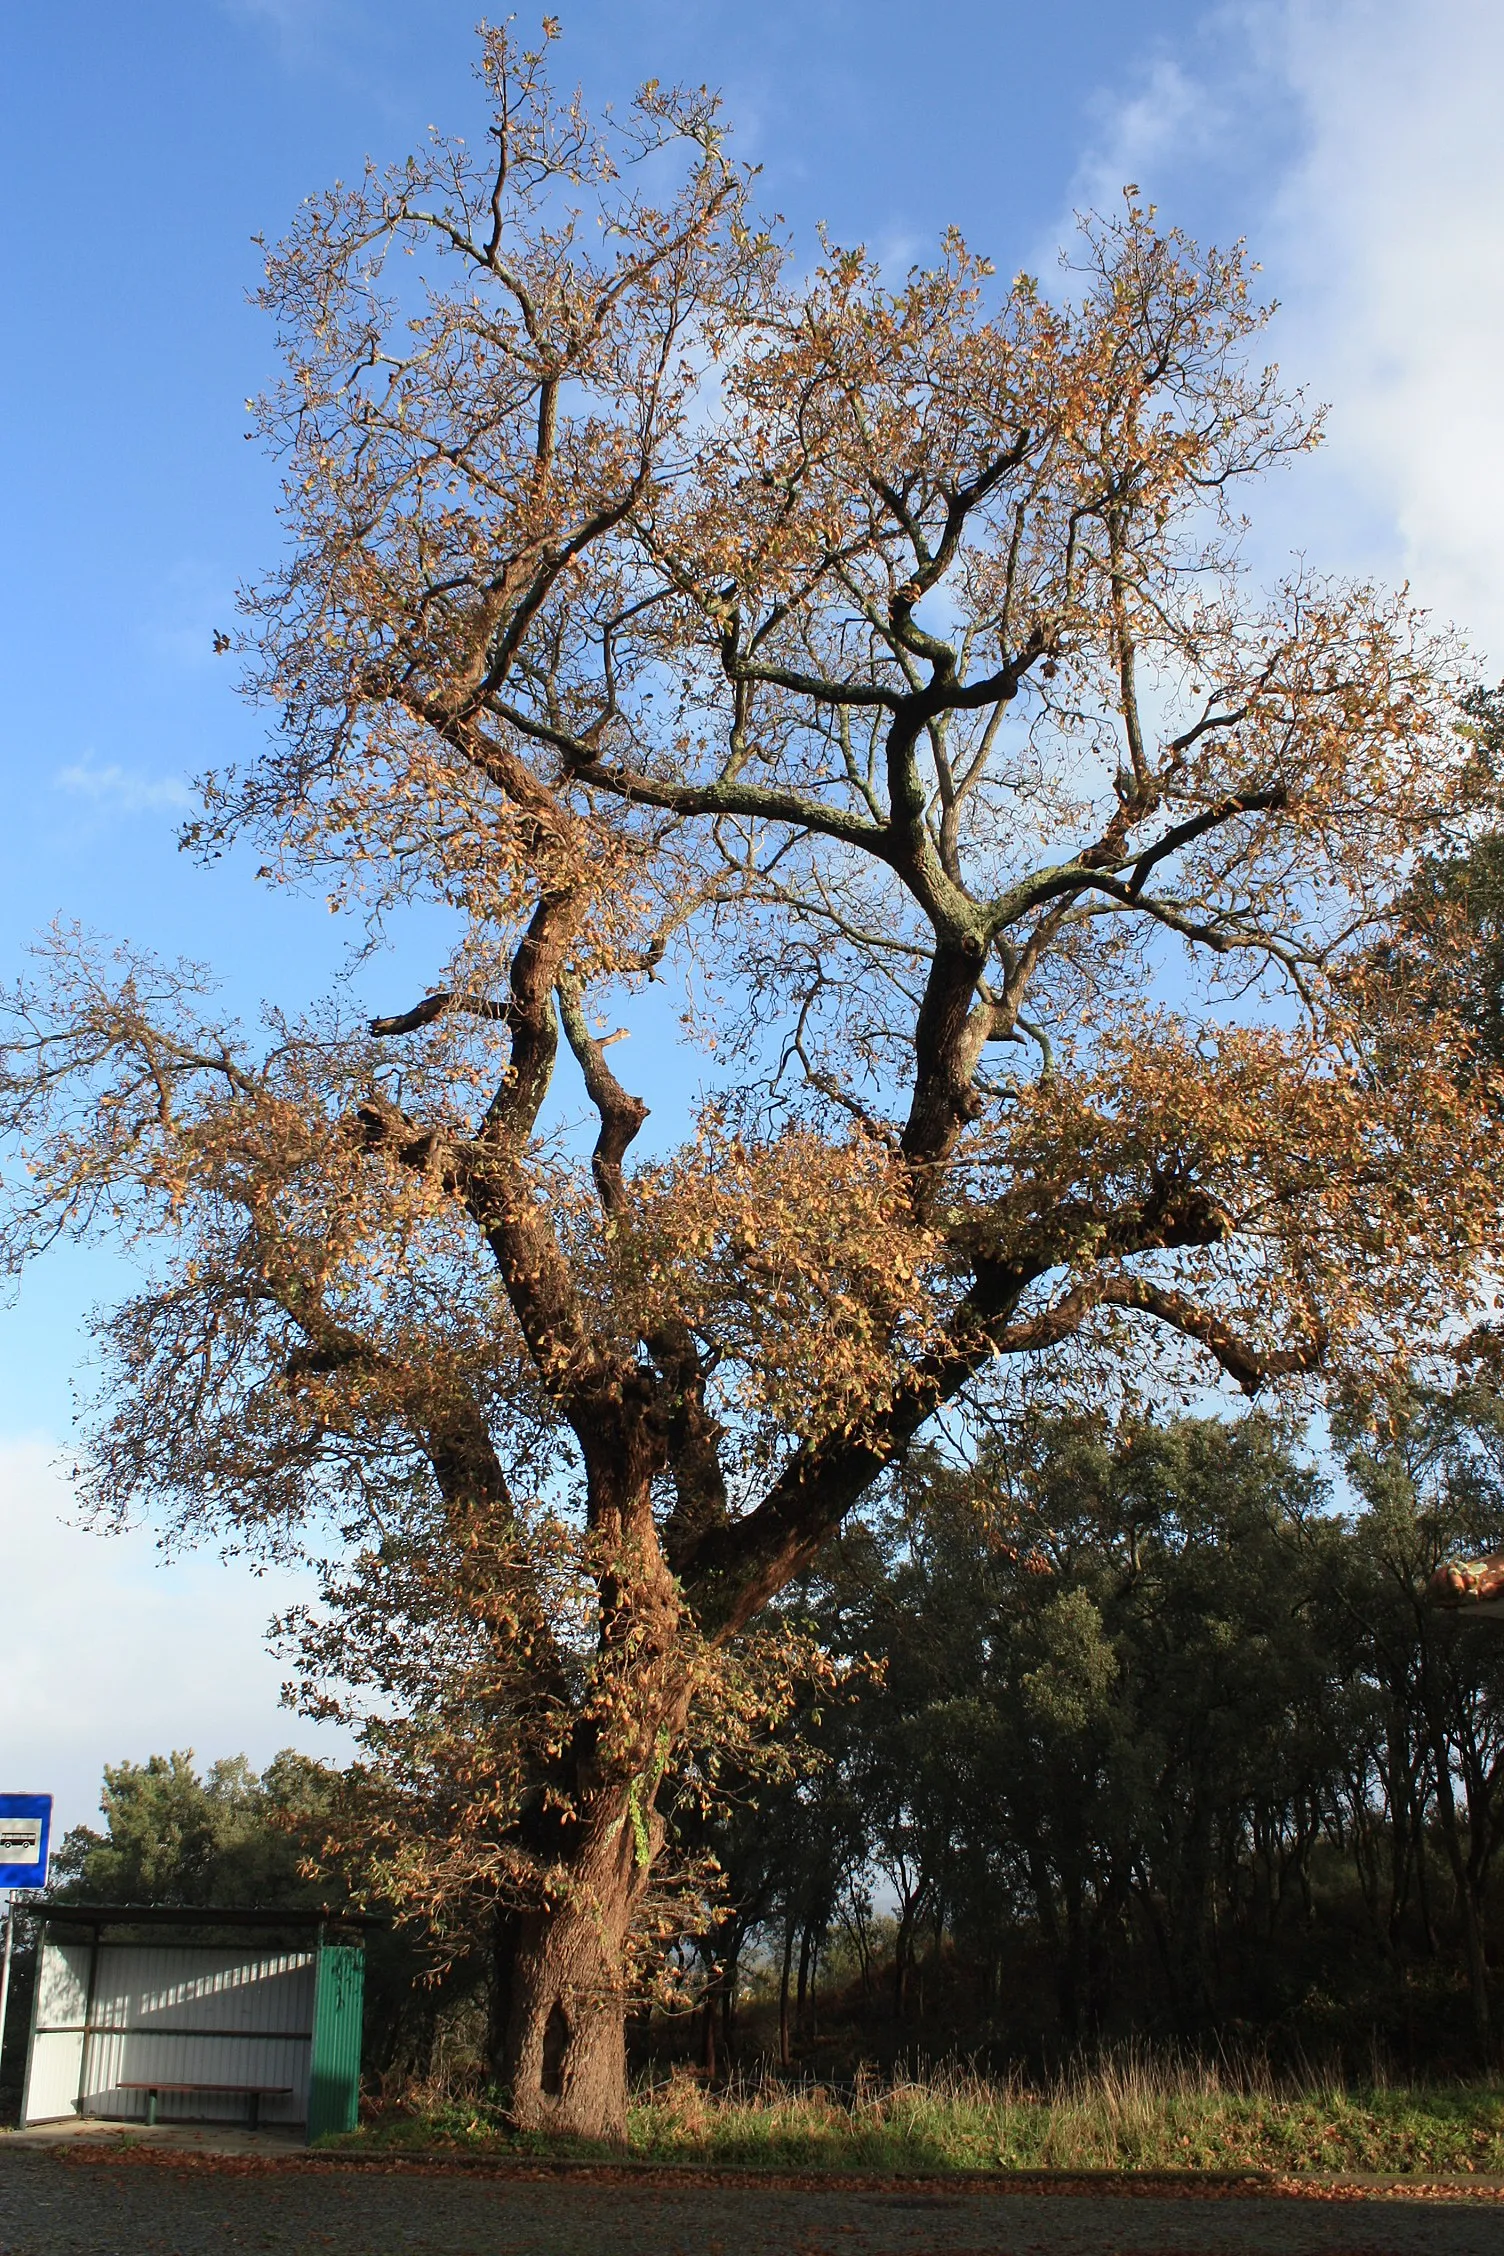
column 869, row 669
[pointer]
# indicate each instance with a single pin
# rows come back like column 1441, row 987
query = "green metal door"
column 334, row 2078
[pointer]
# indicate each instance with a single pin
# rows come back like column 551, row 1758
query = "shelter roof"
column 61, row 1911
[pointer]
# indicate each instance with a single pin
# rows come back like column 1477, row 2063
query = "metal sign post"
column 10, row 1929
column 25, row 1844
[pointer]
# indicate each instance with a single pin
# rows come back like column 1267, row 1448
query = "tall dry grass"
column 1133, row 2110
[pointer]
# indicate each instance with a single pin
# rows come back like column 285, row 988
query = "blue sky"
column 1354, row 142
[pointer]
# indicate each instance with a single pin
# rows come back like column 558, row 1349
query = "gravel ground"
column 52, row 2204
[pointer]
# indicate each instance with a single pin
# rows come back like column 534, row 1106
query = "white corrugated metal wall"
column 57, row 2032
column 175, row 2012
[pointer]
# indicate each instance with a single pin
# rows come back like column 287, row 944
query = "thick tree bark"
column 566, row 2054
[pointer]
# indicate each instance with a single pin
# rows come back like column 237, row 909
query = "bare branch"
column 621, row 1115
column 438, row 1005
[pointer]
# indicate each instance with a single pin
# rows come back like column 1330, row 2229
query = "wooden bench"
column 254, row 2093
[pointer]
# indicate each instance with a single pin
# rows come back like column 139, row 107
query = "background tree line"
column 1148, row 1733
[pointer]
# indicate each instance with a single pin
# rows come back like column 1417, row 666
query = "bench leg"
column 151, row 2111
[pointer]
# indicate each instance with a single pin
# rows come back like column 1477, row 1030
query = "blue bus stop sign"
column 25, row 1839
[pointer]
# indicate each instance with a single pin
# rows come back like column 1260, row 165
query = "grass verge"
column 1128, row 2115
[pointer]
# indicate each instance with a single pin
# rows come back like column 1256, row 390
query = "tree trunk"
column 566, row 2038
column 1068, row 1967
column 854, row 1918
column 1472, row 1925
column 730, row 1994
column 1423, row 1881
column 499, row 2002
column 566, row 2059
column 902, row 1950
column 707, row 2030
column 1467, row 1904
column 785, row 2050
column 811, row 2008
column 802, row 1998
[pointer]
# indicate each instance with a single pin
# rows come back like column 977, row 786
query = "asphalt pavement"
column 185, row 2198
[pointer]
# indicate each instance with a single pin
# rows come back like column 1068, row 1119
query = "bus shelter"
column 152, row 2014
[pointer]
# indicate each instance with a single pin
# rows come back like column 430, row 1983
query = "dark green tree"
column 176, row 1836
column 1430, row 1465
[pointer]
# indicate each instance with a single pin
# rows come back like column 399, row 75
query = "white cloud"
column 1356, row 144
column 110, row 1653
column 1171, row 115
column 1392, row 231
column 114, row 786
